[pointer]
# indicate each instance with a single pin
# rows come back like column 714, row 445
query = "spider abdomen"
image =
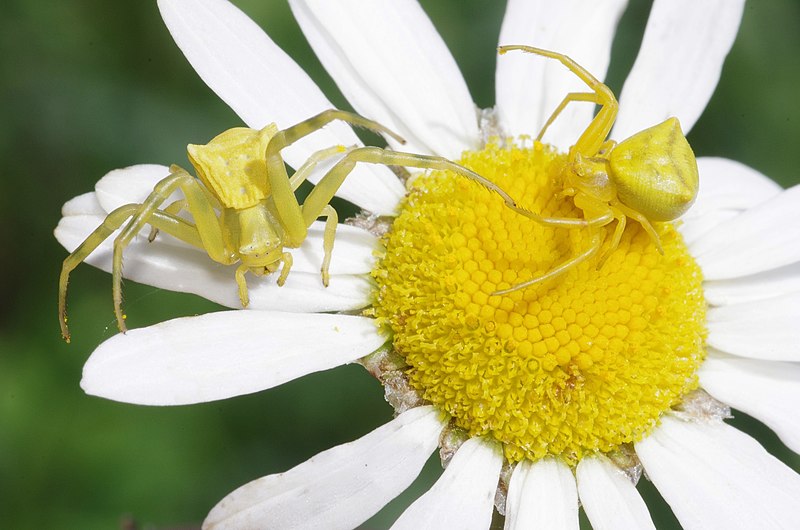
column 655, row 172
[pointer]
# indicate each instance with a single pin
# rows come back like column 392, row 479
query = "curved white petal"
column 764, row 329
column 609, row 498
column 221, row 355
column 766, row 390
column 715, row 476
column 392, row 65
column 542, row 495
column 170, row 264
column 726, row 189
column 754, row 287
column 130, row 185
column 263, row 85
column 84, row 204
column 762, row 238
column 529, row 87
column 464, row 495
column 679, row 64
column 339, row 488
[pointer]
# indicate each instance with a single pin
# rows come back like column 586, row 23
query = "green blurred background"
column 88, row 86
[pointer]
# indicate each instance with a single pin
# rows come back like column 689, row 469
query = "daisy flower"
column 541, row 399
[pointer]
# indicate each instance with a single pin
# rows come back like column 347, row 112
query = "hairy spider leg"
column 593, row 138
column 205, row 219
column 175, row 226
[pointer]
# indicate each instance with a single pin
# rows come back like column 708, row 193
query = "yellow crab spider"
column 650, row 177
column 243, row 203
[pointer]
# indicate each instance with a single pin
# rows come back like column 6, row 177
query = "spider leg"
column 595, row 134
column 330, row 183
column 557, row 271
column 642, row 220
column 179, row 205
column 172, row 225
column 615, row 239
column 331, row 220
column 174, row 208
column 302, row 173
column 286, row 203
column 590, row 97
column 206, row 222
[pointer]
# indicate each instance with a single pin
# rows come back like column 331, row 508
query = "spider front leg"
column 596, row 133
column 207, row 226
column 172, row 225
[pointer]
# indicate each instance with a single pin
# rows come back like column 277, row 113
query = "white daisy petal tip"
column 679, row 64
column 340, row 487
column 221, row 355
column 130, row 185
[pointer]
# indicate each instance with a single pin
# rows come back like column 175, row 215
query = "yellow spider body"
column 650, row 177
column 243, row 205
column 655, row 172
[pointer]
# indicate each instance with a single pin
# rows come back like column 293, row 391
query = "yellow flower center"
column 585, row 362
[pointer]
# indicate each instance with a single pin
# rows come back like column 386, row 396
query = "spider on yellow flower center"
column 650, row 177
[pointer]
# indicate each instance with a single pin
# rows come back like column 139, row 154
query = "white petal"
column 754, row 287
column 765, row 329
column 762, row 238
column 392, row 65
column 339, row 488
column 169, row 264
column 679, row 64
column 726, row 189
column 85, row 204
column 221, row 355
column 529, row 87
column 542, row 495
column 352, row 250
column 609, row 498
column 464, row 495
column 714, row 476
column 130, row 185
column 766, row 390
column 263, row 85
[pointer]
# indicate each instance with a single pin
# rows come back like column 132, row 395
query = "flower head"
column 562, row 391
